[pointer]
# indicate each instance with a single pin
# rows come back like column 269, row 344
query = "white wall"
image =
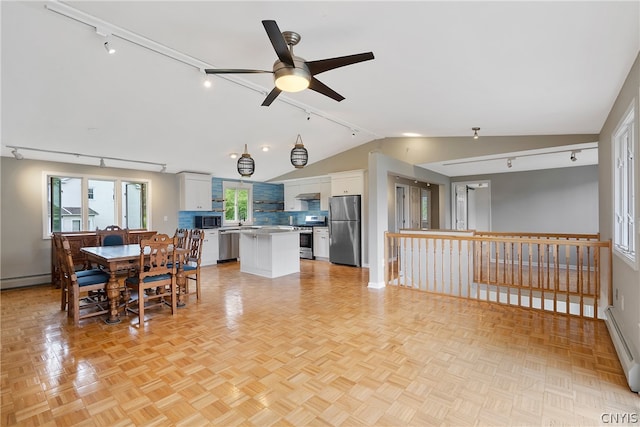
column 545, row 201
column 626, row 278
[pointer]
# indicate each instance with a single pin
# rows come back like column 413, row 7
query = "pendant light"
column 299, row 155
column 246, row 165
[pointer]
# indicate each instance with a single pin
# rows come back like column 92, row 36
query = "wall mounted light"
column 573, row 156
column 509, row 163
column 299, row 154
column 102, row 164
column 475, row 132
column 246, row 165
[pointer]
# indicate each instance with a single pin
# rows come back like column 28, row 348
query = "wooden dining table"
column 119, row 258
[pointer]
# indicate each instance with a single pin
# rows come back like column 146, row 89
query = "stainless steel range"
column 306, row 234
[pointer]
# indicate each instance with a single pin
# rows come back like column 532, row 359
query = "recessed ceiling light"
column 410, row 134
column 233, row 155
column 265, row 148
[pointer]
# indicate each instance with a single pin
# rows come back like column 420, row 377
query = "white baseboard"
column 376, row 285
column 21, row 282
column 627, row 354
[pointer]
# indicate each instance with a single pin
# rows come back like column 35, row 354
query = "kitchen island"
column 270, row 252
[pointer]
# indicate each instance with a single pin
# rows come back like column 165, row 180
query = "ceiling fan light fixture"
column 299, row 154
column 246, row 165
column 292, row 79
column 292, row 83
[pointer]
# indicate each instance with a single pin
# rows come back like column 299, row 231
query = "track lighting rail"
column 20, row 156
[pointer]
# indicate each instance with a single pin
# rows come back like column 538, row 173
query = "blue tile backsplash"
column 262, row 192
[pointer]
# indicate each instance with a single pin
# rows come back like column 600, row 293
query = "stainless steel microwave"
column 208, row 221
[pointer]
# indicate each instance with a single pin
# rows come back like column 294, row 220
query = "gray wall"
column 25, row 256
column 546, row 201
column 626, row 278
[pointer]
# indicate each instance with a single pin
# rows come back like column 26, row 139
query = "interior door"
column 472, row 223
column 461, row 207
column 400, row 208
column 414, row 207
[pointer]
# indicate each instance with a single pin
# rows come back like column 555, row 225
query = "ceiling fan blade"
column 322, row 65
column 320, row 87
column 279, row 45
column 233, row 71
column 271, row 97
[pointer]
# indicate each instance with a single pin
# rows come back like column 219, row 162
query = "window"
column 238, row 202
column 67, row 209
column 624, row 191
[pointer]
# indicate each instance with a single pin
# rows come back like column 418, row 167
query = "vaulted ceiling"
column 440, row 68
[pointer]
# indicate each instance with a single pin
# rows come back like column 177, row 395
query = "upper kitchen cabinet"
column 325, row 193
column 291, row 203
column 195, row 192
column 347, row 183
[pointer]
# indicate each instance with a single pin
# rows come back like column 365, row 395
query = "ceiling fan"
column 292, row 73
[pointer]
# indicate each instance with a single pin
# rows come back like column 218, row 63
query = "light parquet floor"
column 315, row 348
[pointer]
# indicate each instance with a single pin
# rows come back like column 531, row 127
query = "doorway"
column 471, row 208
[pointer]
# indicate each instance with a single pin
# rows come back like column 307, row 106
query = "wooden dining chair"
column 86, row 294
column 155, row 281
column 182, row 234
column 112, row 235
column 191, row 267
column 60, row 259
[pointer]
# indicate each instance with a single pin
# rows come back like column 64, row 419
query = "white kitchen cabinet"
column 325, row 193
column 269, row 253
column 291, row 190
column 209, row 247
column 347, row 183
column 321, row 242
column 195, row 192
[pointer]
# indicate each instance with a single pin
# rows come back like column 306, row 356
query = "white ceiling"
column 511, row 68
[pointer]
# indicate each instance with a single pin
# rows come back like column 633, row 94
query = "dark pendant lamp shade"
column 246, row 165
column 299, row 155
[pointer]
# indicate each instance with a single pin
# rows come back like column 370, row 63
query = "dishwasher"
column 228, row 245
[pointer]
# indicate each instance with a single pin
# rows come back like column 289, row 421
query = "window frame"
column 238, row 185
column 84, row 190
column 624, row 183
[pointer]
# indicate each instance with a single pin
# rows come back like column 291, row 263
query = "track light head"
column 475, row 132
column 509, row 163
column 110, row 49
column 164, row 169
column 573, row 156
column 16, row 154
column 102, row 164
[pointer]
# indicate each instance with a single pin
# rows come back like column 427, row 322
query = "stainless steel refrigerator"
column 345, row 230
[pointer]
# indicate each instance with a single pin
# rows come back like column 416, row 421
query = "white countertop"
column 267, row 230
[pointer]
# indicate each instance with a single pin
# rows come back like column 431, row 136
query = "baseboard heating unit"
column 628, row 359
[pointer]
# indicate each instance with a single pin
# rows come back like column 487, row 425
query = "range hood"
column 308, row 196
